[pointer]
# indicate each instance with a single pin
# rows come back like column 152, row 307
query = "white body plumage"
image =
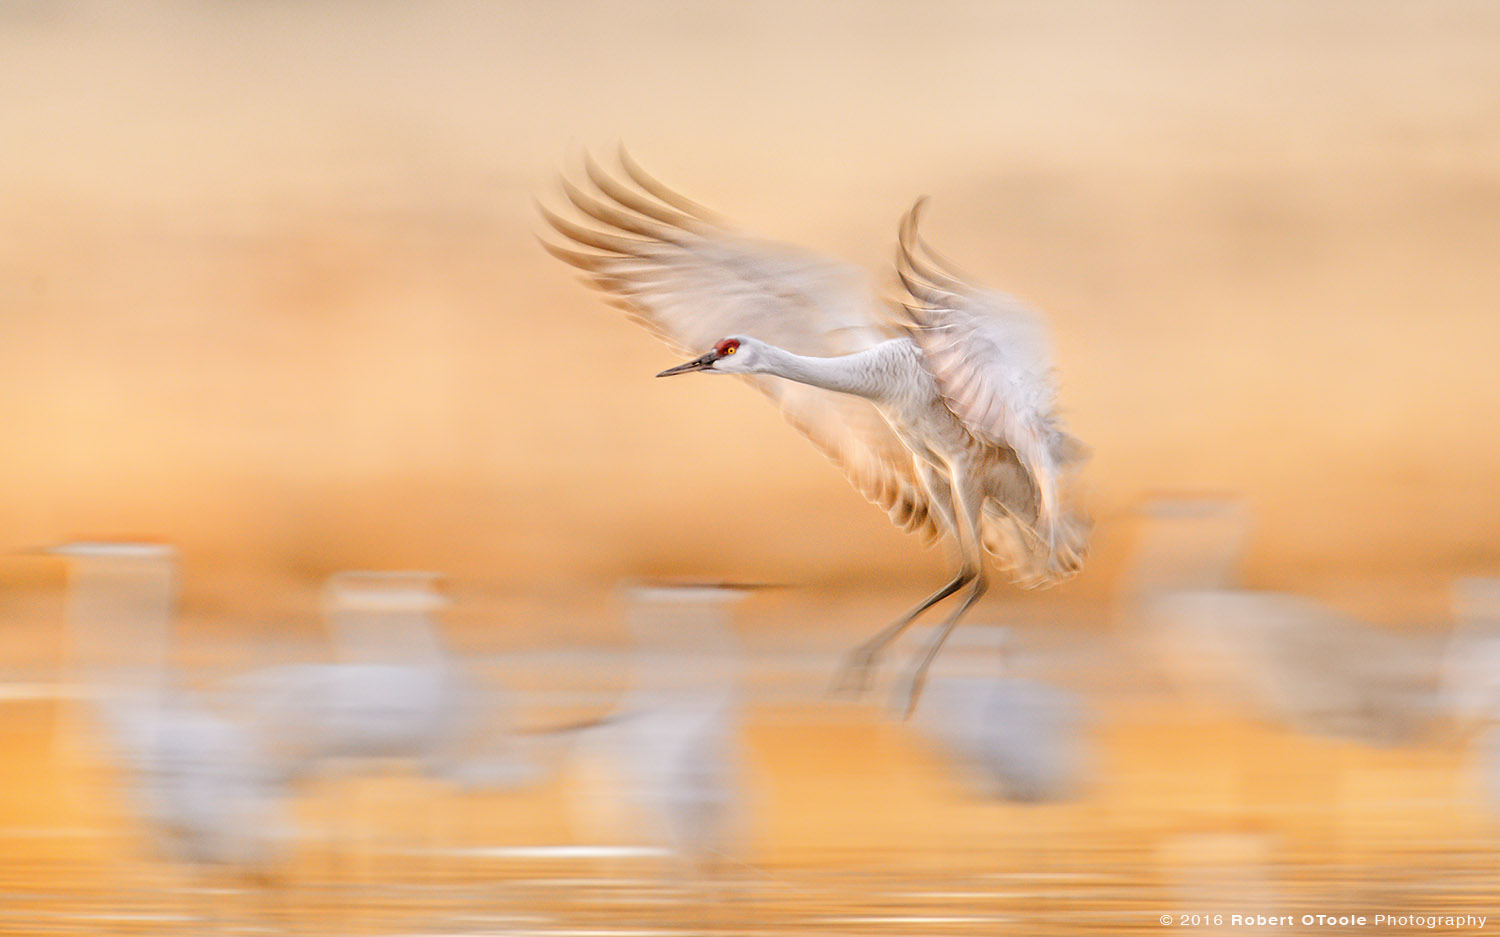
column 941, row 411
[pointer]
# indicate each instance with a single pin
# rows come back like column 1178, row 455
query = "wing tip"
column 918, row 256
column 659, row 190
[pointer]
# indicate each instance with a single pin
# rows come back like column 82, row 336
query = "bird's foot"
column 908, row 693
column 854, row 675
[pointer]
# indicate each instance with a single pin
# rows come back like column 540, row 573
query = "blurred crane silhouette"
column 671, row 751
column 1012, row 738
column 1284, row 658
column 1471, row 664
column 939, row 408
column 394, row 695
column 1006, row 735
column 1471, row 678
column 209, row 794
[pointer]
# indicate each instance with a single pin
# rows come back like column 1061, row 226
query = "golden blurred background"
column 273, row 295
column 273, row 291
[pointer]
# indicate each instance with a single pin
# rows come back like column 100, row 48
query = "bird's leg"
column 968, row 506
column 919, row 674
column 854, row 676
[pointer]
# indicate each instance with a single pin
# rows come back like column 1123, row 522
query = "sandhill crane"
column 395, row 697
column 1282, row 657
column 1471, row 663
column 396, row 693
column 206, row 788
column 1013, row 738
column 678, row 737
column 666, row 766
column 939, row 408
column 393, row 693
column 1008, row 736
column 202, row 780
column 1471, row 678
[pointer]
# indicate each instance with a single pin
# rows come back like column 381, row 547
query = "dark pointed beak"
column 697, row 364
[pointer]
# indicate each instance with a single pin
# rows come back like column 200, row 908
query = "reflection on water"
column 692, row 781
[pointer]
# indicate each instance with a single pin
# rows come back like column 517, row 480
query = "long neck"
column 857, row 374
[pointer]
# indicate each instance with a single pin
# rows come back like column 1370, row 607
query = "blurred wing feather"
column 992, row 362
column 691, row 281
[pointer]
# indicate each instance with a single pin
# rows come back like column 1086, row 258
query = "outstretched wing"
column 992, row 361
column 691, row 281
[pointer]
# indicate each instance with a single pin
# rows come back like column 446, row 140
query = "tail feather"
column 1068, row 451
column 1035, row 558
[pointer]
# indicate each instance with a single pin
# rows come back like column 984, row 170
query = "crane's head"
column 736, row 354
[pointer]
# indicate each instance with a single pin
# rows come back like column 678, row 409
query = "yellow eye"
column 731, row 349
